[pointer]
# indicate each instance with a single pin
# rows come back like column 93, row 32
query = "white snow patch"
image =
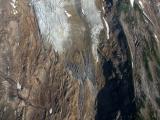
column 93, row 16
column 15, row 12
column 141, row 4
column 50, row 111
column 68, row 15
column 132, row 2
column 53, row 22
column 156, row 38
column 14, row 1
column 107, row 27
column 8, row 67
column 19, row 86
column 82, row 11
column 13, row 4
column 95, row 31
column 103, row 9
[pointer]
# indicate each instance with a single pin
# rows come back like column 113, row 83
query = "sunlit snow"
column 19, row 86
column 94, row 18
column 50, row 110
column 53, row 21
column 68, row 15
column 132, row 2
column 141, row 4
column 107, row 27
column 13, row 4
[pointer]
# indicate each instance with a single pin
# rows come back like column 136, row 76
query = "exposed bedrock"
column 79, row 60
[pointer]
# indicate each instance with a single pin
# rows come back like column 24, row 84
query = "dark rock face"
column 79, row 60
column 137, row 35
column 116, row 99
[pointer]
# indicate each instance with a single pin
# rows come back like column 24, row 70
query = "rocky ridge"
column 66, row 63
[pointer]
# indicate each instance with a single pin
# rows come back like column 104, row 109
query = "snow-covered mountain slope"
column 79, row 60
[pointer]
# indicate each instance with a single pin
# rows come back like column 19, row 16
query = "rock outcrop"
column 79, row 60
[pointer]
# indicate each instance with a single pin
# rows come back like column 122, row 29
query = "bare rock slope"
column 79, row 60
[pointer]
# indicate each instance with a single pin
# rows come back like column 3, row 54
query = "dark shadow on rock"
column 115, row 101
column 116, row 97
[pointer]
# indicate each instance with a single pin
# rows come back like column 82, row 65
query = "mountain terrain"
column 79, row 60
